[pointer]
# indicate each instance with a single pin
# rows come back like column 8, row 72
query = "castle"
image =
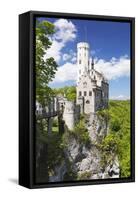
column 92, row 91
column 92, row 87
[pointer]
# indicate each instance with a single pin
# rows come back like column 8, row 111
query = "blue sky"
column 109, row 46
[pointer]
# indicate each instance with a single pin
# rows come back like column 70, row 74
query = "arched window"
column 87, row 101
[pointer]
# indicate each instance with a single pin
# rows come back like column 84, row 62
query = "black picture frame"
column 27, row 98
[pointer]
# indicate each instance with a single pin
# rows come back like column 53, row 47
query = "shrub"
column 115, row 125
column 81, row 133
column 84, row 176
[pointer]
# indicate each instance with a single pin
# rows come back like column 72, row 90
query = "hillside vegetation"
column 118, row 139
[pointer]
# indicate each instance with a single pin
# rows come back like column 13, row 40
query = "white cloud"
column 115, row 68
column 66, row 56
column 120, row 97
column 65, row 32
column 67, row 72
column 74, row 59
column 55, row 50
column 72, row 56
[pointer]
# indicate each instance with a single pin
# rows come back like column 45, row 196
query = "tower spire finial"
column 85, row 29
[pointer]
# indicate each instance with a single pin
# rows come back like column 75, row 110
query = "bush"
column 115, row 125
column 55, row 122
column 84, row 176
column 81, row 133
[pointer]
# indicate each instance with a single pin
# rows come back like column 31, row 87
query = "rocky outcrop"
column 86, row 160
column 97, row 127
column 59, row 173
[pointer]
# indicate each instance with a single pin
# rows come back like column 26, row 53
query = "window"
column 85, row 93
column 79, row 93
column 79, row 71
column 87, row 101
column 84, row 84
column 90, row 93
column 79, row 61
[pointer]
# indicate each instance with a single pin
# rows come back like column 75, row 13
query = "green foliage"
column 68, row 91
column 108, row 148
column 55, row 122
column 115, row 125
column 53, row 141
column 104, row 114
column 71, row 93
column 45, row 68
column 118, row 139
column 81, row 133
column 84, row 176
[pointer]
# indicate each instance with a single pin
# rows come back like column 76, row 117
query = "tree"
column 68, row 91
column 45, row 68
column 71, row 93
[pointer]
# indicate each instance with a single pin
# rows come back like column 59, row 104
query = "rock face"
column 86, row 160
column 59, row 173
column 97, row 127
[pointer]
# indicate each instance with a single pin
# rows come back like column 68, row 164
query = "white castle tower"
column 92, row 88
column 71, row 114
column 82, row 58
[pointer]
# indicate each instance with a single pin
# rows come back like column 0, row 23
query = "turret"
column 82, row 58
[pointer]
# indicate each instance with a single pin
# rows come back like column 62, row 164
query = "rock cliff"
column 85, row 161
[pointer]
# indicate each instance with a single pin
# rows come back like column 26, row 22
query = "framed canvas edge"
column 32, row 184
